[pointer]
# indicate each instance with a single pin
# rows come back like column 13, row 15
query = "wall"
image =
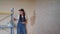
column 47, row 17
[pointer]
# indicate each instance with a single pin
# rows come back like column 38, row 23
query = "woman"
column 21, row 26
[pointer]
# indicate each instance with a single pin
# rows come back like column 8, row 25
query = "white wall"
column 47, row 17
column 47, row 14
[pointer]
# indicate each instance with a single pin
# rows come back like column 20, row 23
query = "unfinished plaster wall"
column 47, row 17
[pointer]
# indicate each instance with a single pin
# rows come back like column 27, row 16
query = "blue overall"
column 21, row 28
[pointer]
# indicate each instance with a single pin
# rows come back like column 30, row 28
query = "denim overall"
column 21, row 28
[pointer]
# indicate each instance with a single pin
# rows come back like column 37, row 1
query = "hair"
column 23, row 14
column 22, row 11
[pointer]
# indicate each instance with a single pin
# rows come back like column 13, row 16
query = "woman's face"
column 21, row 12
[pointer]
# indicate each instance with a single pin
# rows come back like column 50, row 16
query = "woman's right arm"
column 15, row 19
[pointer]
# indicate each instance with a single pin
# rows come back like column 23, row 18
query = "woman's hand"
column 15, row 19
column 23, row 22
